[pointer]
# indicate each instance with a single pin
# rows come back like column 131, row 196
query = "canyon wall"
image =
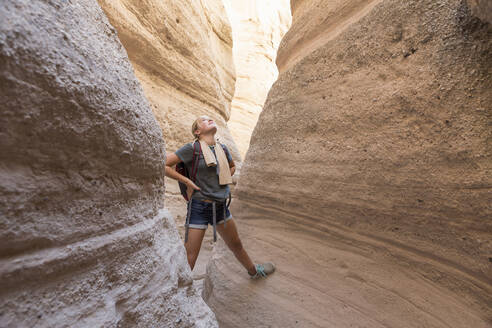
column 482, row 9
column 85, row 241
column 369, row 175
column 257, row 28
column 181, row 53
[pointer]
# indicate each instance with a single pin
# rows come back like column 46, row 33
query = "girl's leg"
column 231, row 238
column 193, row 245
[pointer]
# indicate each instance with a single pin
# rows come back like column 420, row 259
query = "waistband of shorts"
column 210, row 200
column 207, row 200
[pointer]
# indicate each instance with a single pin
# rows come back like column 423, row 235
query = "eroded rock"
column 258, row 27
column 85, row 241
column 482, row 9
column 368, row 175
column 182, row 55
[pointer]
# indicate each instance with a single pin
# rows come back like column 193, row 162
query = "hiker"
column 209, row 167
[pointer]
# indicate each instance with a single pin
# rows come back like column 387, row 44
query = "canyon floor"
column 328, row 276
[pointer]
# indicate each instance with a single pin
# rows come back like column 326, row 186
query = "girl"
column 207, row 204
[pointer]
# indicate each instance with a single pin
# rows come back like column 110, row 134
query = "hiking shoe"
column 263, row 270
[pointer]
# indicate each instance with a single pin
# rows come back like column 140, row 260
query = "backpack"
column 181, row 168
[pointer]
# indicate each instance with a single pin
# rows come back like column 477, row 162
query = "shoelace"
column 260, row 271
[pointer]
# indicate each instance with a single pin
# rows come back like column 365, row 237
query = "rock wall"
column 257, row 28
column 84, row 239
column 181, row 52
column 482, row 9
column 318, row 22
column 368, row 178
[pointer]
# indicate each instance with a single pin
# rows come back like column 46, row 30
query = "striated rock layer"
column 257, row 28
column 181, row 52
column 84, row 241
column 368, row 178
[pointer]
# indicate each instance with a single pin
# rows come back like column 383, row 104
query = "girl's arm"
column 232, row 166
column 171, row 160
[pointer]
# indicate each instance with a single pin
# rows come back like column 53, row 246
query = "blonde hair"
column 195, row 127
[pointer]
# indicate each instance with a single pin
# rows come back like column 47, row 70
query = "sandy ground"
column 331, row 278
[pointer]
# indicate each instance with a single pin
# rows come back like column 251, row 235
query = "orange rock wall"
column 181, row 53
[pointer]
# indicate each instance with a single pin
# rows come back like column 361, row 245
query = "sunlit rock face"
column 257, row 28
column 318, row 21
column 181, row 52
column 84, row 238
column 368, row 177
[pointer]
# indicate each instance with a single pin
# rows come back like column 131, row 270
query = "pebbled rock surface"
column 181, row 52
column 368, row 178
column 257, row 28
column 84, row 239
column 482, row 9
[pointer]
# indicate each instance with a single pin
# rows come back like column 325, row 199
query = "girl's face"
column 206, row 125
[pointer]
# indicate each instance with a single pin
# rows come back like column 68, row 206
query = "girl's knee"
column 191, row 259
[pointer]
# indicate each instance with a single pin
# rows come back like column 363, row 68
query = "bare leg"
column 231, row 238
column 195, row 238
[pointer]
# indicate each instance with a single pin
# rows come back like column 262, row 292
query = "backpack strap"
column 226, row 151
column 187, row 224
column 194, row 170
column 195, row 160
column 227, row 202
column 214, row 219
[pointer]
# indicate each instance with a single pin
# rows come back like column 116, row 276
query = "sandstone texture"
column 84, row 238
column 257, row 28
column 482, row 9
column 181, row 52
column 369, row 175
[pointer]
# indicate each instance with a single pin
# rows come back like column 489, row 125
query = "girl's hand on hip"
column 192, row 185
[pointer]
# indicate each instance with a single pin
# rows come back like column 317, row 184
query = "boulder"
column 84, row 238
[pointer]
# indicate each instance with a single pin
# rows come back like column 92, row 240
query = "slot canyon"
column 362, row 134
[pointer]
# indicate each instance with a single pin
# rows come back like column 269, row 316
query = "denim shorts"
column 202, row 214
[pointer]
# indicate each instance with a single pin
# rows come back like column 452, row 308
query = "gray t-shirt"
column 207, row 178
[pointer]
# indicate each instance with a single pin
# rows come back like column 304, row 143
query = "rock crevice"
column 258, row 27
